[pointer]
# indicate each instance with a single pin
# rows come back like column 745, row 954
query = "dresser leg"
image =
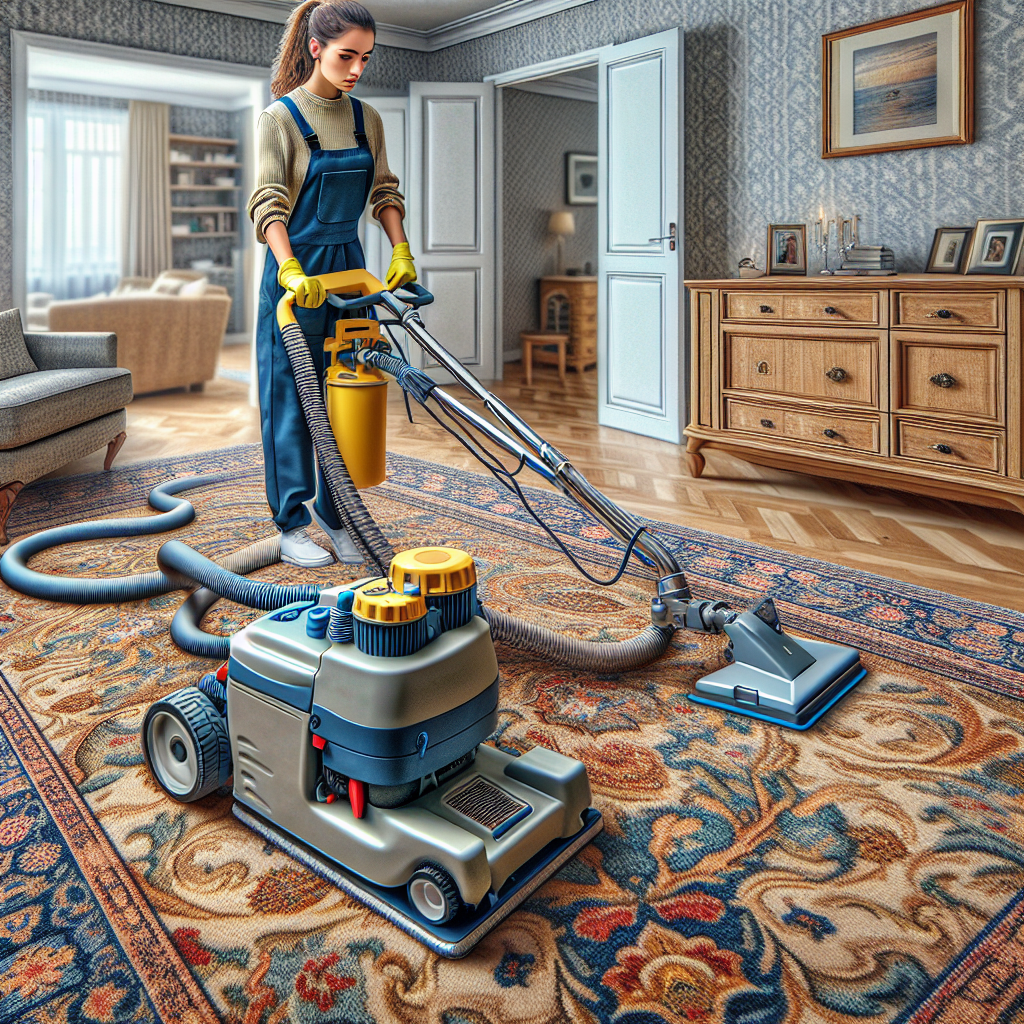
column 694, row 460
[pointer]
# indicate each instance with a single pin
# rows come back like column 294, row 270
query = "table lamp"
column 561, row 223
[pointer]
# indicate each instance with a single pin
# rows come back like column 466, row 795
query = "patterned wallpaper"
column 165, row 28
column 538, row 132
column 753, row 120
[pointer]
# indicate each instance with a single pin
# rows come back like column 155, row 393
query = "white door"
column 394, row 113
column 450, row 217
column 641, row 356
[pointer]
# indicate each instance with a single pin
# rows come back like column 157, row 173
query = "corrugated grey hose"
column 358, row 523
column 586, row 655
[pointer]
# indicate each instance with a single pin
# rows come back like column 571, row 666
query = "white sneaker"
column 298, row 549
column 344, row 547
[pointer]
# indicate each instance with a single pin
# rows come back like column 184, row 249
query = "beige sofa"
column 166, row 339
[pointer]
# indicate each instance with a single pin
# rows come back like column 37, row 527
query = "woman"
column 321, row 157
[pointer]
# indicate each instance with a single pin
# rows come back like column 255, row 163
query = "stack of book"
column 869, row 260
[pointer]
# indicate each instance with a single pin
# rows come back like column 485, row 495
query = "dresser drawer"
column 834, row 368
column 949, row 311
column 839, row 307
column 962, row 376
column 951, row 446
column 838, row 430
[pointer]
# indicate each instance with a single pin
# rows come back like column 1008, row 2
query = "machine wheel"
column 434, row 894
column 185, row 744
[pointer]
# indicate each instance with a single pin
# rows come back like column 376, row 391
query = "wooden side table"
column 581, row 295
column 538, row 346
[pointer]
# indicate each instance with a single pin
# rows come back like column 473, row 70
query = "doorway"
column 549, row 215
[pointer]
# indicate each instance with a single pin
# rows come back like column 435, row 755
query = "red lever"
column 357, row 797
column 222, row 673
column 319, row 742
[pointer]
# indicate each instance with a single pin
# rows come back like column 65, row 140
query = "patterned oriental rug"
column 869, row 870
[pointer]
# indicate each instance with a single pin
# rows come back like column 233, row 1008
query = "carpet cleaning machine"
column 351, row 718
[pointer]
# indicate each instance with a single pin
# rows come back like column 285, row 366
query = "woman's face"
column 342, row 59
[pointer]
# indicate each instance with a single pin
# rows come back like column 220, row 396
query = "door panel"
column 394, row 113
column 641, row 350
column 451, row 221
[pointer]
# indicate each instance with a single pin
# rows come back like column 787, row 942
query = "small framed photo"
column 948, row 249
column 581, row 179
column 900, row 83
column 995, row 247
column 787, row 249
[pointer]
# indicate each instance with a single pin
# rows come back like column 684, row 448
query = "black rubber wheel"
column 434, row 894
column 186, row 746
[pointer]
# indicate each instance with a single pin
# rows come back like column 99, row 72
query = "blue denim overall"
column 323, row 234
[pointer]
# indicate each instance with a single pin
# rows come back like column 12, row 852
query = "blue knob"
column 316, row 623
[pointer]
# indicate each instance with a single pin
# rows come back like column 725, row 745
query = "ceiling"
column 425, row 15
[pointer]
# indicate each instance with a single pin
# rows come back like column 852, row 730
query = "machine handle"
column 830, row 433
column 837, row 373
column 768, row 424
column 345, row 282
column 942, row 314
column 767, row 309
column 943, row 380
column 415, row 295
column 944, row 448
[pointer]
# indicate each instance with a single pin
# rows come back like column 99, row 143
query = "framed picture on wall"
column 581, row 179
column 787, row 249
column 995, row 247
column 948, row 248
column 901, row 83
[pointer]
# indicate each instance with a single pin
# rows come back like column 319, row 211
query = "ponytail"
column 322, row 20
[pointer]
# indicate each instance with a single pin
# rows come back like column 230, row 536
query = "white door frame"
column 583, row 59
column 23, row 42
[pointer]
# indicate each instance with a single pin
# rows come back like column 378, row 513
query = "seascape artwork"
column 895, row 85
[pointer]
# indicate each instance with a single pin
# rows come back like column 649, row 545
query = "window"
column 75, row 146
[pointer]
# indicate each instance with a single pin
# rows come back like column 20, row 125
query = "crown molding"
column 495, row 19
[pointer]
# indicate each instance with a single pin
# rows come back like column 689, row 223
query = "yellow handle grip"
column 360, row 282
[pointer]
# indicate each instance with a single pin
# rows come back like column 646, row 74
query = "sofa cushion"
column 14, row 357
column 193, row 288
column 36, row 405
column 165, row 284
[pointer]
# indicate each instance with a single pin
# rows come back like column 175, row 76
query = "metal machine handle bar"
column 417, row 296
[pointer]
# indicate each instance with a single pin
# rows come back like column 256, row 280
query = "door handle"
column 671, row 236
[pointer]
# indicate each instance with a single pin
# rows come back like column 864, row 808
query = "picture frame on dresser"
column 995, row 247
column 900, row 83
column 949, row 247
column 787, row 249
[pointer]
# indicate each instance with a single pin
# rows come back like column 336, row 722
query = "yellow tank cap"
column 343, row 376
column 433, row 570
column 377, row 602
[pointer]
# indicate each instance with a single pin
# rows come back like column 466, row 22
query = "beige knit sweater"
column 284, row 154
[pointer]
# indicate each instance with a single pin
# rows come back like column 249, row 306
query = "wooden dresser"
column 575, row 315
column 911, row 382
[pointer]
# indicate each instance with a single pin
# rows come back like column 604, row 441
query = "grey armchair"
column 62, row 396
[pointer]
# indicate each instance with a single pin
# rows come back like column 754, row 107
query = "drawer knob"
column 763, row 367
column 768, row 424
column 943, row 380
column 837, row 373
column 830, row 433
column 944, row 448
column 831, row 310
column 942, row 314
column 767, row 309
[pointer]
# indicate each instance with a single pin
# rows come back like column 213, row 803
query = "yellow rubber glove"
column 402, row 269
column 309, row 291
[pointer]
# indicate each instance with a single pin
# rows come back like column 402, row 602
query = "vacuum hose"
column 586, row 655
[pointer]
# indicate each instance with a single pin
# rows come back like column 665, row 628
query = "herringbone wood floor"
column 964, row 550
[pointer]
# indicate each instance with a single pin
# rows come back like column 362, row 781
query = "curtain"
column 74, row 193
column 147, row 198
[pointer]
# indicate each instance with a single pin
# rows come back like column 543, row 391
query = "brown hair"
column 322, row 20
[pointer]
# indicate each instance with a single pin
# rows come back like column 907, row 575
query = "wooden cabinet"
column 569, row 305
column 911, row 382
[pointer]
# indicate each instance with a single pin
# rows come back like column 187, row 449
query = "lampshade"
column 562, row 222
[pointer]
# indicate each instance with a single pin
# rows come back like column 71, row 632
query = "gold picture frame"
column 787, row 249
column 870, row 102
